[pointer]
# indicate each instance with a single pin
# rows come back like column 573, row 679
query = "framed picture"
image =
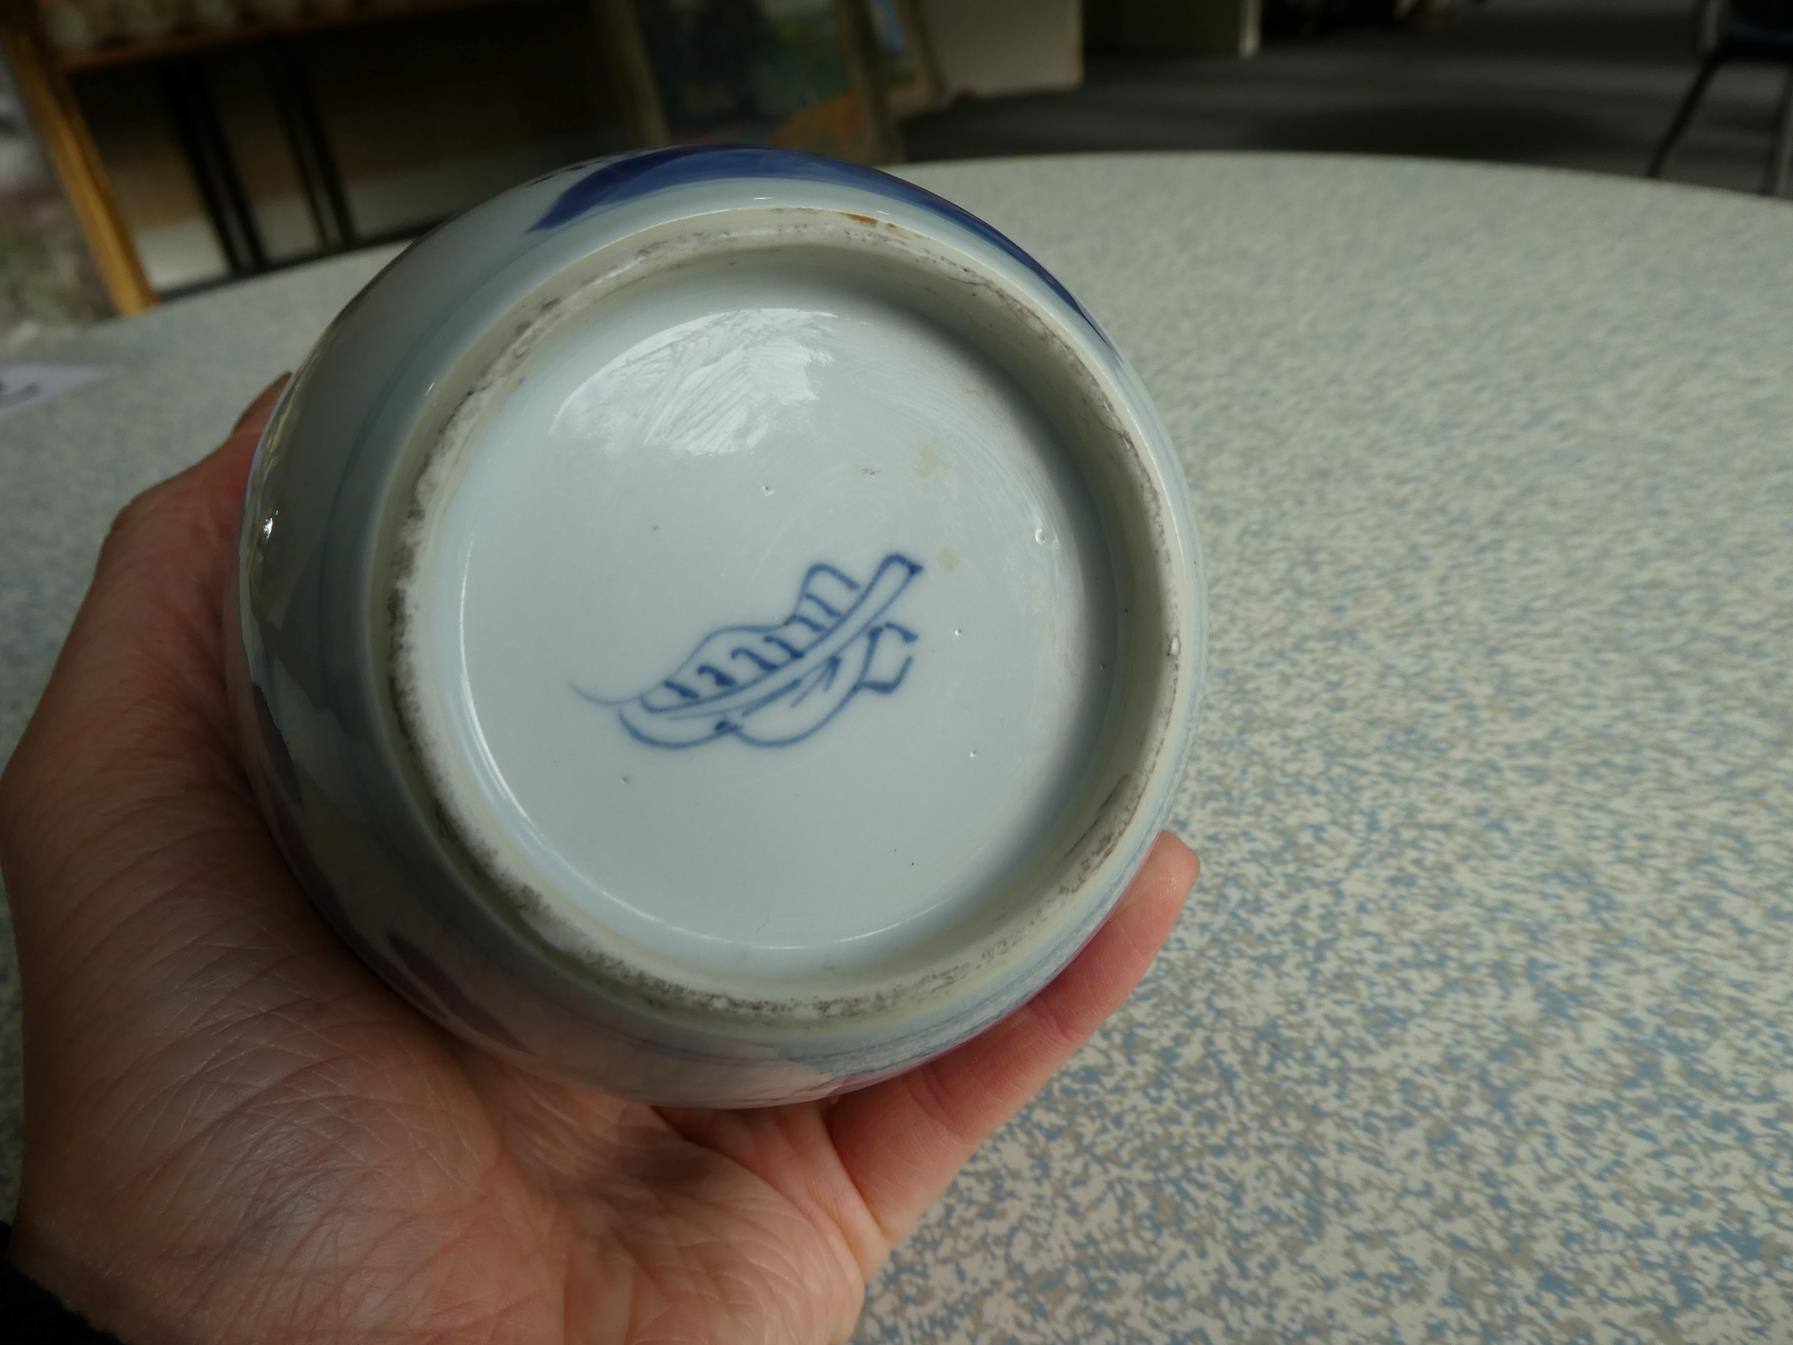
column 801, row 74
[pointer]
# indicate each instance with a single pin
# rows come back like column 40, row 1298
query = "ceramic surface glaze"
column 793, row 522
column 721, row 624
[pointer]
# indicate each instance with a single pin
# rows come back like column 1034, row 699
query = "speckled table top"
column 1481, row 1026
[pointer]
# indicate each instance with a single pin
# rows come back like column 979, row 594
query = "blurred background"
column 152, row 148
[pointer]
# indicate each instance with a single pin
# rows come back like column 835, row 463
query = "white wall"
column 988, row 47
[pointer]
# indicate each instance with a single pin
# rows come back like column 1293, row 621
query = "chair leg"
column 1780, row 158
column 1708, row 22
column 1684, row 114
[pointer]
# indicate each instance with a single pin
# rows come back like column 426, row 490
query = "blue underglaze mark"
column 782, row 682
column 633, row 175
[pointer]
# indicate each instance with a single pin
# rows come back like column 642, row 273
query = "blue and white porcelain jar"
column 718, row 624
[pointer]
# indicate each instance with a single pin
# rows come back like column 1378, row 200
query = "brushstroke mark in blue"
column 776, row 685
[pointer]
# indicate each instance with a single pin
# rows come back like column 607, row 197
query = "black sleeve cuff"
column 35, row 1316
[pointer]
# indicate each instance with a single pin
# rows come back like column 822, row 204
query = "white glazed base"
column 731, row 430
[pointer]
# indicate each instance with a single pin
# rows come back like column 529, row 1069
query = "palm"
column 371, row 1165
column 233, row 1131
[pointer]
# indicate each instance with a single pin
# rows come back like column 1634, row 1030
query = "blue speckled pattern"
column 1481, row 1027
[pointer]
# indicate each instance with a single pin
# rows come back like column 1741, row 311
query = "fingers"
column 255, row 415
column 153, row 608
column 218, row 477
column 195, row 512
column 903, row 1140
column 138, row 684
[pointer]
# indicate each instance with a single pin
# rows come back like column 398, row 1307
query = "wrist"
column 33, row 1313
column 118, row 1297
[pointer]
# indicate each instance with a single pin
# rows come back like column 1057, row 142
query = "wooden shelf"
column 197, row 41
column 51, row 103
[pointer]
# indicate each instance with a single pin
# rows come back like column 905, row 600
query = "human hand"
column 233, row 1132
